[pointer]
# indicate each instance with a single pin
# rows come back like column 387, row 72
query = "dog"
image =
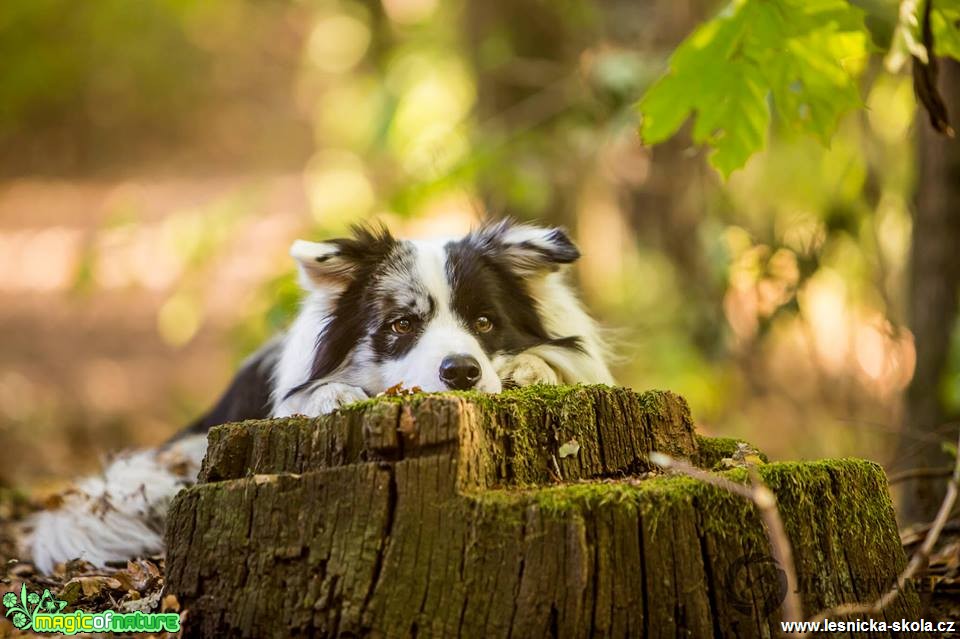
column 487, row 310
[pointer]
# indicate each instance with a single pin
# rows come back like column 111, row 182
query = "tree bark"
column 934, row 286
column 460, row 516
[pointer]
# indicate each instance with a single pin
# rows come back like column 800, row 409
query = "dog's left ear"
column 531, row 249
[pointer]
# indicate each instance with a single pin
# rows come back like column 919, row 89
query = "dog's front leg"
column 319, row 399
column 526, row 369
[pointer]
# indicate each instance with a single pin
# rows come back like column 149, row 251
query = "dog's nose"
column 460, row 372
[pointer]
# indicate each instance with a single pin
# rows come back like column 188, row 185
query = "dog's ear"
column 529, row 250
column 321, row 265
column 336, row 263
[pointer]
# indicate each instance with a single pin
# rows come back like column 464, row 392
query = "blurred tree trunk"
column 667, row 210
column 934, row 283
column 524, row 85
column 543, row 38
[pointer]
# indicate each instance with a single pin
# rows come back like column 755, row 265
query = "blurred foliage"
column 43, row 75
column 98, row 84
column 774, row 302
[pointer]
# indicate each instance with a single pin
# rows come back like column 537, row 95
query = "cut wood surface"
column 513, row 438
column 458, row 516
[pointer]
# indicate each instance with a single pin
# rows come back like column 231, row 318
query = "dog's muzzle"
column 460, row 372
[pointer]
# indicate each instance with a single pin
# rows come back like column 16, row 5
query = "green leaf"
column 804, row 55
column 945, row 22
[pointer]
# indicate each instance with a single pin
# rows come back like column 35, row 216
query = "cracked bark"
column 453, row 527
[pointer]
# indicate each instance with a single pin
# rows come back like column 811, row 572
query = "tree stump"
column 533, row 513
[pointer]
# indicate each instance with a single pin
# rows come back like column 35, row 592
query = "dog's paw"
column 327, row 398
column 526, row 369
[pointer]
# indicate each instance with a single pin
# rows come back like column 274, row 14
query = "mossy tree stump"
column 457, row 515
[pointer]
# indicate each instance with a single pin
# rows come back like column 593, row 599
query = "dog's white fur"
column 120, row 513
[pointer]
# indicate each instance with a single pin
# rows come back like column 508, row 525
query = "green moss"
column 587, row 495
column 542, row 395
column 561, row 499
column 849, row 489
column 855, row 488
column 712, row 450
column 654, row 403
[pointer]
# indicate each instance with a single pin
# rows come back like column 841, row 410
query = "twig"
column 556, row 467
column 669, row 463
column 766, row 502
column 917, row 562
column 919, row 473
column 913, row 536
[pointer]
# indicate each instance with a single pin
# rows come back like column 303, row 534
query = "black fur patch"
column 355, row 310
column 248, row 396
column 560, row 250
column 553, row 249
column 390, row 345
column 484, row 285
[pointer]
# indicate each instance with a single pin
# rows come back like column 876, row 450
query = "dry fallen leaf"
column 170, row 604
column 53, row 502
column 394, row 390
column 93, row 585
column 139, row 575
column 397, row 390
column 90, row 587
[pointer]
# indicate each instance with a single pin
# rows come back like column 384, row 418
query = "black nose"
column 460, row 372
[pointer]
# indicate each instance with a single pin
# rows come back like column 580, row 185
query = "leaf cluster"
column 803, row 56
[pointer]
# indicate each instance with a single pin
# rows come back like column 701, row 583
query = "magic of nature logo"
column 44, row 613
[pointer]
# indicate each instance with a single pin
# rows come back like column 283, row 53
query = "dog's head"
column 433, row 314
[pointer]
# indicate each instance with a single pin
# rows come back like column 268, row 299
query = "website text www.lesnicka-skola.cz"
column 869, row 625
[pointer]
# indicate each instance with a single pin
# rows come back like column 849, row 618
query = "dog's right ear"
column 336, row 263
column 321, row 265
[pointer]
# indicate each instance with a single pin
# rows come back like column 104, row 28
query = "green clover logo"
column 50, row 604
column 28, row 605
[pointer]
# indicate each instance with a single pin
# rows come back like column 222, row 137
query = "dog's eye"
column 483, row 324
column 401, row 326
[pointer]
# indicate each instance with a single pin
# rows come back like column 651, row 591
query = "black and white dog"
column 489, row 309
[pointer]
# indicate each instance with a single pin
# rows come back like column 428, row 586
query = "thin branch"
column 914, row 535
column 684, row 468
column 766, row 502
column 919, row 473
column 917, row 562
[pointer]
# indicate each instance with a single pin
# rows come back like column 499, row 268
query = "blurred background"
column 157, row 158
